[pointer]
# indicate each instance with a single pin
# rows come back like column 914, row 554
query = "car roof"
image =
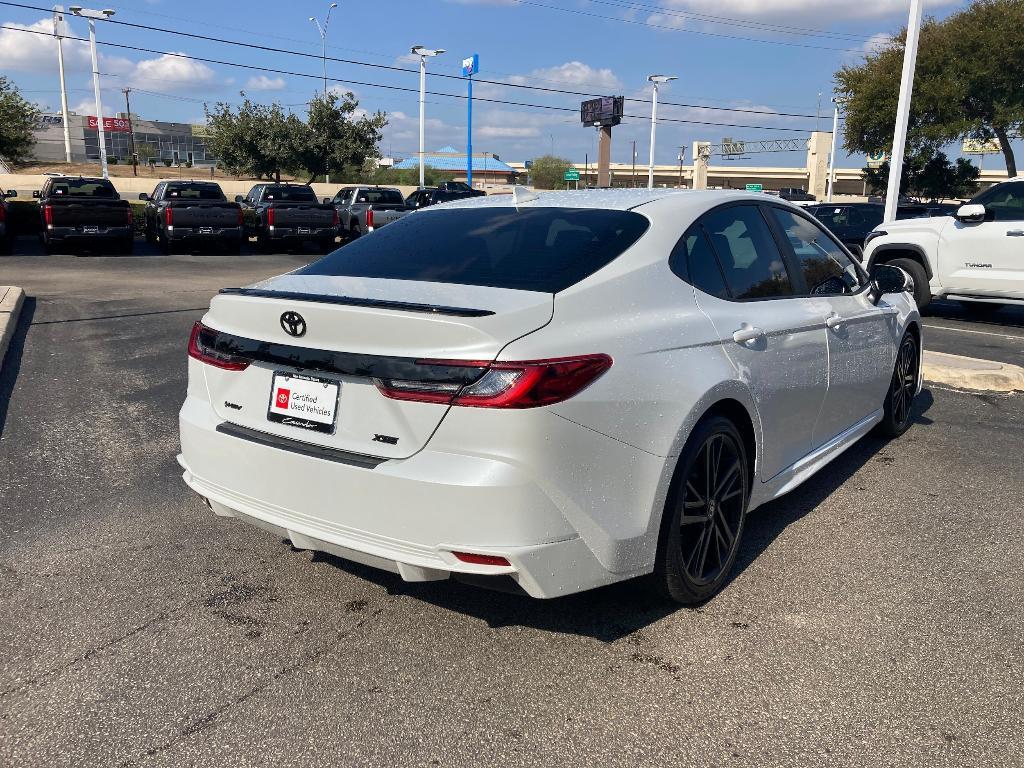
column 613, row 199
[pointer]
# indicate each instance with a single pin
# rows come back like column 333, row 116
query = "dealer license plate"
column 305, row 402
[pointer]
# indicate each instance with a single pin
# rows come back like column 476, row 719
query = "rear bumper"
column 76, row 233
column 178, row 233
column 292, row 233
column 406, row 516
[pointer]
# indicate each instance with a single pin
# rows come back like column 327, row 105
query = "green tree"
column 18, row 120
column 928, row 175
column 967, row 84
column 548, row 172
column 337, row 140
column 257, row 139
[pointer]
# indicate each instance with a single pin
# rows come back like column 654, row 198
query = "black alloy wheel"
column 705, row 514
column 899, row 401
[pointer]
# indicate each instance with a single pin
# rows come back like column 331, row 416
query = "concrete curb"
column 11, row 300
column 971, row 373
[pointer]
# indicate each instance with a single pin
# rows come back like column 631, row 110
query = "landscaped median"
column 11, row 299
column 972, row 373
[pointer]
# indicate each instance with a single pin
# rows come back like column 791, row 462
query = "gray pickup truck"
column 192, row 212
column 290, row 215
column 364, row 209
column 87, row 212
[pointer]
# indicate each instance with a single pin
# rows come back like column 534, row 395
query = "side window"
column 693, row 260
column 750, row 259
column 826, row 269
column 1003, row 202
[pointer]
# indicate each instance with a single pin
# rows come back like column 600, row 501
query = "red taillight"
column 528, row 384
column 369, row 218
column 470, row 557
column 241, row 217
column 48, row 215
column 131, row 219
column 202, row 345
column 270, row 217
column 169, row 216
column 3, row 213
column 336, row 221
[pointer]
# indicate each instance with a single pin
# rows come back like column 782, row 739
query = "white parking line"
column 980, row 333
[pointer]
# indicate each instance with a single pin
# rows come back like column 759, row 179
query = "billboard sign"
column 606, row 110
column 471, row 65
column 110, row 124
column 875, row 159
column 978, row 147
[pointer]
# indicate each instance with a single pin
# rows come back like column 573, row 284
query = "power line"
column 290, row 73
column 392, row 68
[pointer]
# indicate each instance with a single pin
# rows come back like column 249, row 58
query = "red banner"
column 110, row 124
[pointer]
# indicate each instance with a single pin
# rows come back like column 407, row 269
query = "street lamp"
column 91, row 17
column 832, row 157
column 423, row 53
column 323, row 39
column 657, row 80
column 899, row 139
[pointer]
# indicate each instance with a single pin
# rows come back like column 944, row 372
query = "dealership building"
column 155, row 141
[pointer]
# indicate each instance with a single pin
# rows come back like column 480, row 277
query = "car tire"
column 897, row 410
column 166, row 246
column 922, row 293
column 699, row 526
column 150, row 235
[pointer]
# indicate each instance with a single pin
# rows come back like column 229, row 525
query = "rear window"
column 290, row 194
column 195, row 192
column 538, row 249
column 380, row 197
column 83, row 188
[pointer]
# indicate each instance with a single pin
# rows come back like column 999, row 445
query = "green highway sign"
column 571, row 174
column 755, row 187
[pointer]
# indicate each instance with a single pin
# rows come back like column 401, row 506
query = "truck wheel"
column 150, row 235
column 922, row 293
column 166, row 246
column 354, row 233
column 326, row 244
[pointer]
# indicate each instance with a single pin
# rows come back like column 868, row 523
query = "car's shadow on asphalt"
column 610, row 613
column 10, row 365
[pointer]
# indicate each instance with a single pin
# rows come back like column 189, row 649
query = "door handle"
column 746, row 334
column 833, row 321
column 1015, row 233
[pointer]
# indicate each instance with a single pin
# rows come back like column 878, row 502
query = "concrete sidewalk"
column 11, row 300
column 972, row 373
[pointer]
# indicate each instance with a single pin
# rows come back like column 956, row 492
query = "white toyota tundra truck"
column 975, row 256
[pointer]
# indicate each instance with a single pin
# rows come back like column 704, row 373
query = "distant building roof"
column 450, row 159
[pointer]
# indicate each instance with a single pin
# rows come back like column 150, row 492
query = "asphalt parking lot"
column 874, row 617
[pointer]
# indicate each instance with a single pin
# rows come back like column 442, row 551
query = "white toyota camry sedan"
column 565, row 389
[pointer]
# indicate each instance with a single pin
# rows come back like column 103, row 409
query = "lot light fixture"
column 322, row 29
column 91, row 16
column 423, row 53
column 656, row 80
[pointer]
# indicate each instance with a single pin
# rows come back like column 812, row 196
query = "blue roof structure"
column 450, row 159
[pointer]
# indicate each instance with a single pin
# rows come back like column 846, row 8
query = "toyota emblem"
column 293, row 324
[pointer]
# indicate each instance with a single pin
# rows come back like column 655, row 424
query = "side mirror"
column 143, row 196
column 12, row 193
column 971, row 214
column 885, row 278
column 239, row 199
column 35, row 193
column 326, row 201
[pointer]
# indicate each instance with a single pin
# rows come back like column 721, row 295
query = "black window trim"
column 793, row 261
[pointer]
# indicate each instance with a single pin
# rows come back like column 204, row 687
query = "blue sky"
column 772, row 56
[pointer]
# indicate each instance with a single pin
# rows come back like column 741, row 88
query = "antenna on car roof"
column 522, row 195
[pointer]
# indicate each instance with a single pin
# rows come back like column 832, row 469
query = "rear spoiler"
column 352, row 301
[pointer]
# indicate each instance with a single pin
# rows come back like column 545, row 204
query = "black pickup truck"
column 75, row 210
column 179, row 213
column 289, row 215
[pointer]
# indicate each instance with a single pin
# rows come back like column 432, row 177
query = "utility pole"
column 424, row 53
column 91, row 17
column 832, row 157
column 682, row 153
column 899, row 139
column 60, row 29
column 656, row 80
column 323, row 39
column 131, row 131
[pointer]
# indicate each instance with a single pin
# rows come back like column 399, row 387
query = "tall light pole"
column 832, row 157
column 423, row 53
column 657, row 80
column 323, row 39
column 60, row 29
column 899, row 139
column 91, row 17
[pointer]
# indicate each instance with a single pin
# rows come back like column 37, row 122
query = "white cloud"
column 801, row 13
column 171, row 71
column 30, row 51
column 264, row 83
column 88, row 107
column 506, row 131
column 574, row 73
column 877, row 41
